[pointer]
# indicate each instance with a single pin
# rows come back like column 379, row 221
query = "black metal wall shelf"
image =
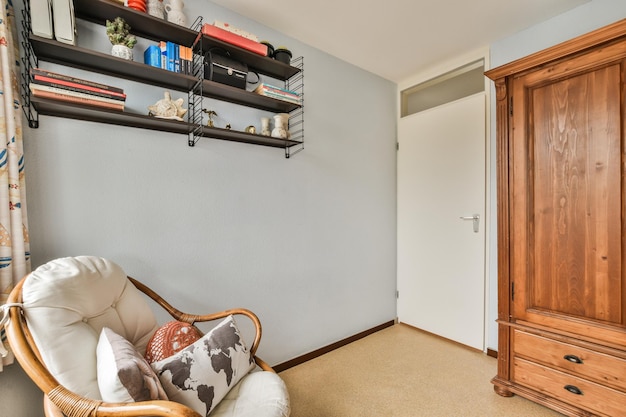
column 38, row 48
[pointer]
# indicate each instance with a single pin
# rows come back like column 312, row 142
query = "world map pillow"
column 170, row 338
column 123, row 374
column 200, row 375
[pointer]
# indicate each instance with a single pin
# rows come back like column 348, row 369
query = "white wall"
column 308, row 243
column 575, row 22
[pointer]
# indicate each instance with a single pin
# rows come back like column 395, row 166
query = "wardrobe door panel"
column 568, row 263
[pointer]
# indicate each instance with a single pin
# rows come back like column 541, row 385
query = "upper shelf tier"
column 64, row 54
column 146, row 26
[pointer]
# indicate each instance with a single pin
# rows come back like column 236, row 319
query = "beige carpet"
column 402, row 372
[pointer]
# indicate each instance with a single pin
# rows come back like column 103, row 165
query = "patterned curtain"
column 14, row 244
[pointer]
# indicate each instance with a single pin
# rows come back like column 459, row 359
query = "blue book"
column 152, row 56
column 171, row 56
column 163, row 48
column 176, row 57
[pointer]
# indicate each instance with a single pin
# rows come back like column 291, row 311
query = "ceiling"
column 397, row 38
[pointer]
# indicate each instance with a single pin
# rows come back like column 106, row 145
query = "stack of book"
column 278, row 93
column 234, row 39
column 170, row 56
column 54, row 86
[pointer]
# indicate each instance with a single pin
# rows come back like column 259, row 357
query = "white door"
column 441, row 259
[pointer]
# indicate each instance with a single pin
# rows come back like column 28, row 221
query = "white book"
column 41, row 18
column 64, row 22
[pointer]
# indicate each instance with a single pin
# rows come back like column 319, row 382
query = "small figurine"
column 166, row 108
column 210, row 113
column 281, row 126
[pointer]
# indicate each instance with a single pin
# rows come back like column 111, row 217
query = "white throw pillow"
column 123, row 374
column 200, row 375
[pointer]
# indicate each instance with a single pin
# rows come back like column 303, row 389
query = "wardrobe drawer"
column 599, row 367
column 568, row 388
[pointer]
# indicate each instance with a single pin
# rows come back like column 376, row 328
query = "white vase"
column 175, row 13
column 156, row 8
column 122, row 51
column 281, row 126
column 265, row 126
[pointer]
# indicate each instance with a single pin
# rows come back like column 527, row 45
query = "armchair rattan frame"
column 60, row 401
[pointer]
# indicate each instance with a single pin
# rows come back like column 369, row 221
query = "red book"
column 78, row 100
column 57, row 76
column 76, row 90
column 83, row 87
column 234, row 39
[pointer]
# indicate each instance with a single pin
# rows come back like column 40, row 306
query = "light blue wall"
column 308, row 243
column 578, row 21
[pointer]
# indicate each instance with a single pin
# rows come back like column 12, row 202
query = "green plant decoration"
column 118, row 32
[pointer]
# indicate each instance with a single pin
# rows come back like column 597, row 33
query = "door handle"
column 475, row 221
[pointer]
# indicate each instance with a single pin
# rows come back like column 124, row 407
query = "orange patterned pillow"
column 171, row 338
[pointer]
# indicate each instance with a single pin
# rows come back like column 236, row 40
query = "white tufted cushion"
column 68, row 301
column 258, row 394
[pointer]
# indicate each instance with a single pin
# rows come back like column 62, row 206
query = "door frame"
column 490, row 261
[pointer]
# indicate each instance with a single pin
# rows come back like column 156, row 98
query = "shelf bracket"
column 29, row 61
column 194, row 96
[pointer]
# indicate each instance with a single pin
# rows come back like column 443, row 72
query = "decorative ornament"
column 166, row 108
column 281, row 126
column 210, row 113
column 175, row 13
column 265, row 126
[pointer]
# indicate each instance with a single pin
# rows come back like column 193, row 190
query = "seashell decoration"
column 166, row 108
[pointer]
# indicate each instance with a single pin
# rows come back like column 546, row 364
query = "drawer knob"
column 573, row 359
column 573, row 389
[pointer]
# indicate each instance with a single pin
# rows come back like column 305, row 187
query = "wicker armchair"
column 270, row 399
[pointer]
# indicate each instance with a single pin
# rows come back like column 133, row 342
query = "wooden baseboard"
column 319, row 352
column 492, row 353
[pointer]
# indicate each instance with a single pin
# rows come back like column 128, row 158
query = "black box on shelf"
column 221, row 68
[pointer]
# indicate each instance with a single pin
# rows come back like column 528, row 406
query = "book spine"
column 78, row 85
column 50, row 74
column 163, row 48
column 38, row 87
column 79, row 100
column 176, row 58
column 171, row 56
column 76, row 89
column 277, row 89
column 280, row 92
column 184, row 68
column 152, row 56
column 280, row 97
column 189, row 59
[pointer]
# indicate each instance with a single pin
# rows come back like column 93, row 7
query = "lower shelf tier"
column 101, row 115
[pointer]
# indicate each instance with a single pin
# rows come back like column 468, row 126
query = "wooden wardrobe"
column 561, row 172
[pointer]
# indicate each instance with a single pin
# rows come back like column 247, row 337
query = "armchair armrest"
column 193, row 318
